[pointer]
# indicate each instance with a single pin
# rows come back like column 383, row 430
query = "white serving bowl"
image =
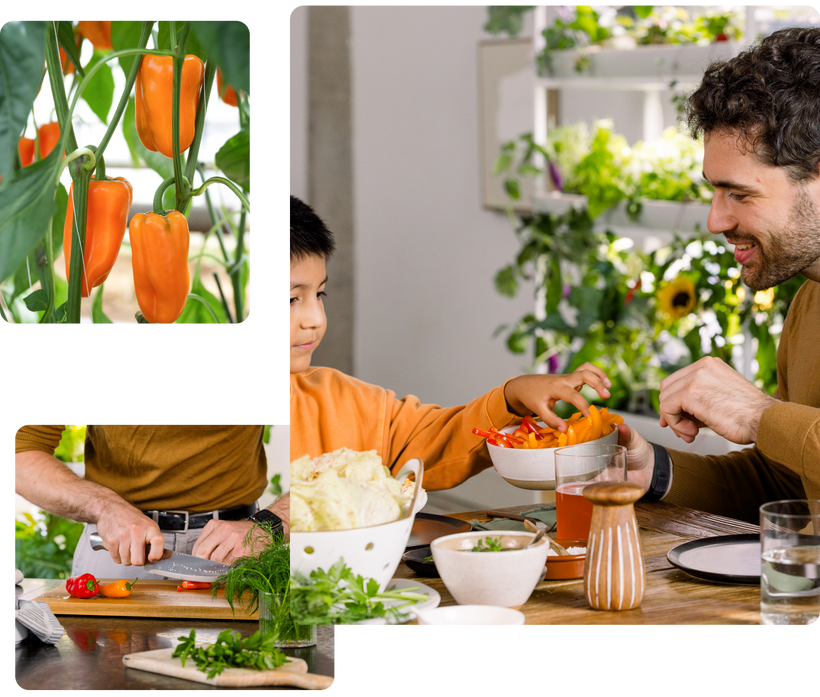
column 505, row 579
column 531, row 469
column 372, row 552
column 471, row 614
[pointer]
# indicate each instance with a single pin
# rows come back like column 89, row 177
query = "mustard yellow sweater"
column 187, row 468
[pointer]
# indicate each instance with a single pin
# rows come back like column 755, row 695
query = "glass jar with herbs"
column 261, row 581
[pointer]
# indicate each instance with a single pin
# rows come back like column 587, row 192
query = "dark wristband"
column 265, row 516
column 661, row 476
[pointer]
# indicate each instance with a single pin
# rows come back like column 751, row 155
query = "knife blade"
column 175, row 564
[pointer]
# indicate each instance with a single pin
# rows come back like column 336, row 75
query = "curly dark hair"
column 308, row 234
column 769, row 96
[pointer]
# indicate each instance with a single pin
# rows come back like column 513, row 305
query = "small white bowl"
column 471, row 614
column 531, row 469
column 504, row 579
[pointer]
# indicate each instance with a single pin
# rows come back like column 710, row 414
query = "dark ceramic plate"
column 415, row 559
column 726, row 559
column 428, row 527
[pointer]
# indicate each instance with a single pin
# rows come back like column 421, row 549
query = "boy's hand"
column 537, row 394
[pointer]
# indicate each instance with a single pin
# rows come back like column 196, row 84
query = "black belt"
column 180, row 521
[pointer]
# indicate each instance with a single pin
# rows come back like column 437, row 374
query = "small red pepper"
column 84, row 586
column 193, row 585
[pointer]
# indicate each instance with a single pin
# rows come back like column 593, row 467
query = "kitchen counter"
column 89, row 655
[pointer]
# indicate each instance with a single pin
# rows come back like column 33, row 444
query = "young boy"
column 330, row 410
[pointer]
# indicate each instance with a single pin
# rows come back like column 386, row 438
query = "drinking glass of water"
column 790, row 562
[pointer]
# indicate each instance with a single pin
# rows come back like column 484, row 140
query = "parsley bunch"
column 257, row 652
column 338, row 596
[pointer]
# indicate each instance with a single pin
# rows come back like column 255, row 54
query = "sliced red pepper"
column 193, row 585
column 530, row 426
column 498, row 437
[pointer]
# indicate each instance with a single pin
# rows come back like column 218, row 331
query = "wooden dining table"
column 672, row 596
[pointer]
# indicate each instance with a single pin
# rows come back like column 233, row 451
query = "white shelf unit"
column 652, row 71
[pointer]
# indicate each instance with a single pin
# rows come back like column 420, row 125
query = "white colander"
column 371, row 552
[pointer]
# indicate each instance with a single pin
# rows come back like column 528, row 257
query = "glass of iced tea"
column 577, row 466
column 790, row 562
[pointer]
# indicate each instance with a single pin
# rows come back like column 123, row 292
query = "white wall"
column 298, row 103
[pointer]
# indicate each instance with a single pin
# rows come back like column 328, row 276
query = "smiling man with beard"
column 759, row 115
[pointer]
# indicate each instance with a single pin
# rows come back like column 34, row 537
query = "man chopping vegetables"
column 191, row 489
column 759, row 114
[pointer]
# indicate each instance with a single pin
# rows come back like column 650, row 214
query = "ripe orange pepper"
column 26, row 149
column 154, row 99
column 67, row 65
column 118, row 589
column 159, row 257
column 97, row 30
column 107, row 214
column 229, row 94
column 49, row 137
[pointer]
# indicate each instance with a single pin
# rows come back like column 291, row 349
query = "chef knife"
column 175, row 564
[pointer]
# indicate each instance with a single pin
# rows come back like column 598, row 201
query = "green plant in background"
column 72, row 445
column 630, row 26
column 44, row 545
column 506, row 19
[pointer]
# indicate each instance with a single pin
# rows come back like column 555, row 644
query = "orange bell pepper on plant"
column 109, row 201
column 154, row 99
column 25, row 147
column 49, row 137
column 97, row 30
column 228, row 95
column 159, row 257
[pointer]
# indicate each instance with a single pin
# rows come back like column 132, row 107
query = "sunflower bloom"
column 677, row 298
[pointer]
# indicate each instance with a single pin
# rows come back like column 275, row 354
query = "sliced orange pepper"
column 595, row 422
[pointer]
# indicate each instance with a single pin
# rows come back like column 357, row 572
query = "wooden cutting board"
column 149, row 598
column 293, row 673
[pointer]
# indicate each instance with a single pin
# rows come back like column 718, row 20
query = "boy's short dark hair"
column 770, row 95
column 308, row 234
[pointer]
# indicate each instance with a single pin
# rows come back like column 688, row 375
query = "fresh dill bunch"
column 267, row 571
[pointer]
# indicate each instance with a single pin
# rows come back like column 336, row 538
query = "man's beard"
column 794, row 247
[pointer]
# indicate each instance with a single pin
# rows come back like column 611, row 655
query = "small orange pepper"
column 228, row 94
column 98, row 33
column 118, row 589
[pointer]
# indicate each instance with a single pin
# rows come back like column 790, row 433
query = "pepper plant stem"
column 178, row 63
column 202, row 108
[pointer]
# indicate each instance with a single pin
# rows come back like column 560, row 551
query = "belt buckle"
column 183, row 513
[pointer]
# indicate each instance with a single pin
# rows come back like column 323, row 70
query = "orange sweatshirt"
column 785, row 461
column 330, row 410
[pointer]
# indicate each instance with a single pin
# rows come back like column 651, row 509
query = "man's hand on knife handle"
column 130, row 536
